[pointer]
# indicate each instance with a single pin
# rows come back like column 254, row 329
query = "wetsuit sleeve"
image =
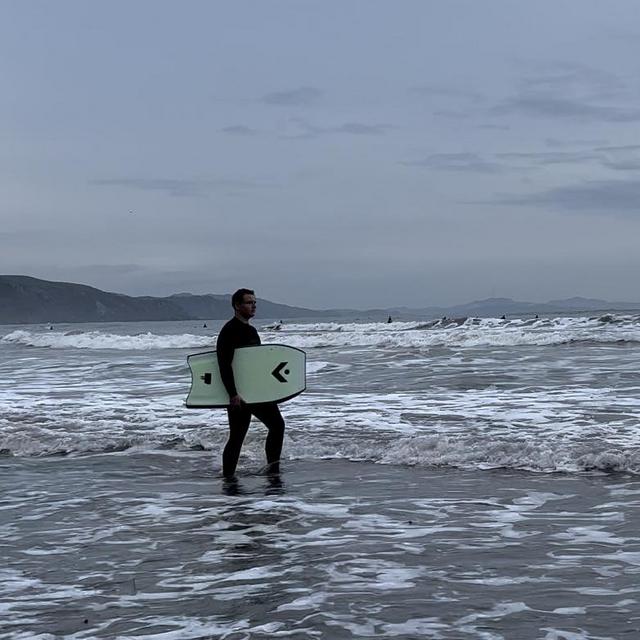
column 224, row 351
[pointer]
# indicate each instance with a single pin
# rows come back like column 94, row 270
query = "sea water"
column 471, row 478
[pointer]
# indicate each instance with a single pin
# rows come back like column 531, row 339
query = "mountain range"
column 27, row 300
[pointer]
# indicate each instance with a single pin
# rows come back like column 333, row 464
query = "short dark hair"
column 238, row 297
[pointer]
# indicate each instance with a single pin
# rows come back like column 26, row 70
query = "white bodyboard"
column 262, row 373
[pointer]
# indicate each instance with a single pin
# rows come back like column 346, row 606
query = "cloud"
column 621, row 164
column 625, row 147
column 552, row 157
column 451, row 114
column 567, row 91
column 554, row 143
column 558, row 90
column 359, row 129
column 450, row 102
column 176, row 188
column 564, row 108
column 495, row 127
column 605, row 197
column 240, row 130
column 623, row 158
column 303, row 96
column 301, row 129
column 466, row 162
column 615, row 158
column 568, row 78
column 109, row 269
column 447, row 93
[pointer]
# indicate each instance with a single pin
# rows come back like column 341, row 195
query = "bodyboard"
column 262, row 373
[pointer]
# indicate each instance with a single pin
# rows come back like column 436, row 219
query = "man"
column 239, row 333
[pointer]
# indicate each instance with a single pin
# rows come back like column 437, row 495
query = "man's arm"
column 224, row 351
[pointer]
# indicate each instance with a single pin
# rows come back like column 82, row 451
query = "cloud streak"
column 551, row 157
column 446, row 93
column 546, row 106
column 465, row 162
column 621, row 158
column 240, row 130
column 301, row 129
column 359, row 129
column 176, row 188
column 571, row 92
column 567, row 78
column 300, row 97
column 619, row 198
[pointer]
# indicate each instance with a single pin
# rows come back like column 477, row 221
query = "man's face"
column 247, row 309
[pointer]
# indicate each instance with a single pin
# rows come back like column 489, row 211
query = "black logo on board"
column 276, row 372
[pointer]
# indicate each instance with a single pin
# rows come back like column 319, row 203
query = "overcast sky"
column 327, row 153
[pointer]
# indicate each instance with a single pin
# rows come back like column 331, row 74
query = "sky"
column 333, row 153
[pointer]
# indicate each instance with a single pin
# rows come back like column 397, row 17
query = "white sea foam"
column 575, row 409
column 316, row 366
column 545, row 430
column 100, row 340
column 466, row 333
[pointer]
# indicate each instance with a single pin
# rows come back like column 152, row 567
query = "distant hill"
column 496, row 307
column 25, row 300
column 215, row 307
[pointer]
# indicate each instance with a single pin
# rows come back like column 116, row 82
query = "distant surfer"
column 239, row 333
column 389, row 320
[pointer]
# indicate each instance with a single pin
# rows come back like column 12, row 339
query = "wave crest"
column 99, row 340
column 446, row 332
column 419, row 451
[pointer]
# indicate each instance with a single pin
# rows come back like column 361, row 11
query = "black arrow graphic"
column 276, row 372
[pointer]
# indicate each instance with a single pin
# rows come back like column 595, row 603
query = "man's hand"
column 236, row 402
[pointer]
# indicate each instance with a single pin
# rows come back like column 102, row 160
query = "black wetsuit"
column 234, row 334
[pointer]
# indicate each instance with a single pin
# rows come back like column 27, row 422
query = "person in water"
column 239, row 333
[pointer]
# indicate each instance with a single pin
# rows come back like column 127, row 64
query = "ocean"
column 449, row 479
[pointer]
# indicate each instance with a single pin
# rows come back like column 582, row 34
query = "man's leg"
column 239, row 419
column 269, row 414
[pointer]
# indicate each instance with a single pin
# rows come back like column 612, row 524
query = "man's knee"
column 276, row 424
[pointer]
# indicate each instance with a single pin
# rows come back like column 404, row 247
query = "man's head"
column 244, row 303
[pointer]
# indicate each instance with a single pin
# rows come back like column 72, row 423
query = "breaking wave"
column 456, row 333
column 99, row 340
column 538, row 456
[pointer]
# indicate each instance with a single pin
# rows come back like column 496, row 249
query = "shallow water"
column 156, row 546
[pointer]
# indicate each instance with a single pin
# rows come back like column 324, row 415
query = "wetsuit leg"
column 239, row 419
column 269, row 414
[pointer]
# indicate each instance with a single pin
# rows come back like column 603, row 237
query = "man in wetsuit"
column 239, row 333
